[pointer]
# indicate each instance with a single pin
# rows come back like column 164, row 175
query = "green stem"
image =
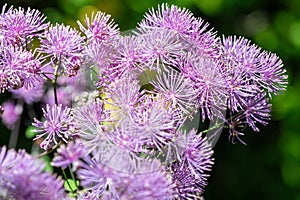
column 45, row 75
column 73, row 177
column 54, row 83
column 65, row 176
column 213, row 127
column 55, row 93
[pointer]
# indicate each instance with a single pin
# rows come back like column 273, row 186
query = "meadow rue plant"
column 115, row 107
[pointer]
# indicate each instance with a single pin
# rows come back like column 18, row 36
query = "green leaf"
column 29, row 132
column 71, row 186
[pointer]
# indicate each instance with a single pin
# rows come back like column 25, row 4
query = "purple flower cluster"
column 19, row 26
column 127, row 138
column 59, row 125
column 64, row 46
column 22, row 178
column 68, row 154
column 11, row 114
column 19, row 66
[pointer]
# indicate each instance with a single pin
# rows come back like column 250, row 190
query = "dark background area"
column 269, row 166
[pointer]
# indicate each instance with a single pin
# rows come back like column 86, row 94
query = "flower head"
column 261, row 69
column 169, row 17
column 162, row 47
column 152, row 123
column 90, row 118
column 30, row 94
column 195, row 152
column 95, row 176
column 99, row 28
column 22, row 178
column 68, row 154
column 192, row 31
column 186, row 184
column 18, row 68
column 208, row 81
column 123, row 95
column 11, row 113
column 19, row 25
column 272, row 75
column 151, row 185
column 176, row 90
column 256, row 110
column 128, row 57
column 64, row 46
column 58, row 125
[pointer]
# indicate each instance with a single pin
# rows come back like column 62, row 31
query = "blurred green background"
column 269, row 166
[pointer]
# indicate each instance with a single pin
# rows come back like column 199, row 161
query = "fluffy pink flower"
column 11, row 113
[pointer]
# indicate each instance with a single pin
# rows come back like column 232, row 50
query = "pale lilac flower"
column 203, row 40
column 257, row 110
column 11, row 114
column 30, row 94
column 22, row 177
column 238, row 89
column 127, row 140
column 195, row 151
column 250, row 72
column 169, row 17
column 239, row 53
column 99, row 28
column 153, row 123
column 59, row 125
column 123, row 95
column 240, row 59
column 209, row 83
column 61, row 42
column 90, row 119
column 272, row 75
column 18, row 26
column 64, row 46
column 7, row 159
column 128, row 57
column 140, row 179
column 186, row 184
column 18, row 68
column 151, row 185
column 180, row 20
column 263, row 69
column 176, row 90
column 68, row 154
column 98, row 55
column 95, row 176
column 162, row 47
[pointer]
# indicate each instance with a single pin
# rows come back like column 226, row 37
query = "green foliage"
column 70, row 185
column 29, row 132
